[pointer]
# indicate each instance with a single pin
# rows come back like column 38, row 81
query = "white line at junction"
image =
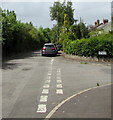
column 47, row 81
column 41, row 108
column 46, row 86
column 45, row 91
column 59, row 91
column 43, row 98
column 59, row 86
column 59, row 81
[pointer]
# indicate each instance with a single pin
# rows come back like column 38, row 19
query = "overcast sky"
column 38, row 12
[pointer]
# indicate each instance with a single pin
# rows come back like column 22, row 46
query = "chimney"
column 98, row 22
column 95, row 23
column 105, row 21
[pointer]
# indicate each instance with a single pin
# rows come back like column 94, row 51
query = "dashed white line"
column 45, row 91
column 52, row 61
column 59, row 81
column 47, row 81
column 41, row 108
column 59, row 85
column 59, row 91
column 43, row 98
column 49, row 74
column 46, row 86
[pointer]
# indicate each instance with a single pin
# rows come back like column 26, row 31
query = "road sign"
column 102, row 53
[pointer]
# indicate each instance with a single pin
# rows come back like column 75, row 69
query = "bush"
column 91, row 46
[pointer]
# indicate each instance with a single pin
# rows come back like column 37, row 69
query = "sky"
column 38, row 12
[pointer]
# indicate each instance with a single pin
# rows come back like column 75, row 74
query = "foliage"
column 54, row 34
column 63, row 14
column 74, row 32
column 96, row 32
column 84, row 30
column 0, row 26
column 21, row 37
column 91, row 46
column 58, row 11
column 74, row 38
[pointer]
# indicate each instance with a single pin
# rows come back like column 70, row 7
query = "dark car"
column 49, row 49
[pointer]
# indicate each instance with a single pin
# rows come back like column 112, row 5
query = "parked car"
column 49, row 49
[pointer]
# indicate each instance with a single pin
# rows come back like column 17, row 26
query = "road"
column 33, row 85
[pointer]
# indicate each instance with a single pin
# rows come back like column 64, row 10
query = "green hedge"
column 90, row 47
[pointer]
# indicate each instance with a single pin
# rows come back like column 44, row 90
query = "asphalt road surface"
column 33, row 85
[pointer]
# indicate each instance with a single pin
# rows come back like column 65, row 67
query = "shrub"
column 91, row 46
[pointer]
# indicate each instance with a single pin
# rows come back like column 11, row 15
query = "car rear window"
column 49, row 46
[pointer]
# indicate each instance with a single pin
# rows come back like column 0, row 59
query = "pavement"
column 93, row 103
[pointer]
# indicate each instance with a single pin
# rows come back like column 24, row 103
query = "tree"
column 1, row 26
column 84, row 30
column 58, row 11
column 69, row 11
column 46, row 33
column 21, row 37
column 8, row 21
column 54, row 34
column 66, row 23
column 75, row 29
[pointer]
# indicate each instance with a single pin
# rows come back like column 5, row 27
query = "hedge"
column 90, row 47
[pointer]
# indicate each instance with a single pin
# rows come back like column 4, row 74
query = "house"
column 105, row 26
column 100, row 28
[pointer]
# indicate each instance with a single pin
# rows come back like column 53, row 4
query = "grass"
column 83, row 62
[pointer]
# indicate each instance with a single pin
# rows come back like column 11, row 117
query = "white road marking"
column 45, row 91
column 52, row 61
column 49, row 74
column 43, row 98
column 47, row 81
column 59, row 81
column 59, row 85
column 59, row 91
column 58, row 71
column 46, row 86
column 64, row 101
column 41, row 108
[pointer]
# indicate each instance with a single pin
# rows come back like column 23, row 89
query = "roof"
column 106, row 27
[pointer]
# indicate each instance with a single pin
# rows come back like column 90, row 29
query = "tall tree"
column 8, row 21
column 20, row 37
column 58, row 11
column 0, row 26
column 69, row 11
column 84, row 30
